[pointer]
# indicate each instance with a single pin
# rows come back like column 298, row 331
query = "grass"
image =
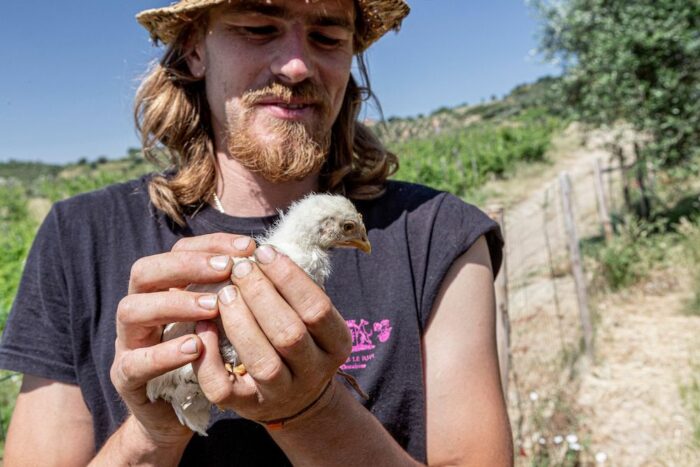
column 691, row 236
column 10, row 383
column 691, row 397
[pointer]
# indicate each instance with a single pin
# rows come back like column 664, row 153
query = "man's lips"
column 288, row 110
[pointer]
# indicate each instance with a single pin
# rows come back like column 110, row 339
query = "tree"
column 636, row 61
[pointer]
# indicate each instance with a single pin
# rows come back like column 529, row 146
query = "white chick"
column 306, row 233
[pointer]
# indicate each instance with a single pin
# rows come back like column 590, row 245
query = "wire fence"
column 550, row 326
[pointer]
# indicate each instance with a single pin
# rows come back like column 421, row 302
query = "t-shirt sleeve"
column 37, row 337
column 455, row 228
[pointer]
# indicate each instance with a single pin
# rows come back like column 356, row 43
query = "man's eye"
column 259, row 31
column 325, row 40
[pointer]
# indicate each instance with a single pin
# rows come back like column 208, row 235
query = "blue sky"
column 70, row 68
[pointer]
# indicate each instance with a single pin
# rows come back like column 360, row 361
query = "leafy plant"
column 462, row 160
column 634, row 61
column 632, row 254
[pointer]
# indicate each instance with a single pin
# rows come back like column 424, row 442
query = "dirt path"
column 626, row 405
column 631, row 397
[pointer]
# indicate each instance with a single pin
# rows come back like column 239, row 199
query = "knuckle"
column 126, row 310
column 126, row 369
column 137, row 270
column 185, row 258
column 220, row 241
column 218, row 394
column 255, row 284
column 291, row 337
column 266, row 370
column 121, row 371
column 180, row 245
column 317, row 309
column 344, row 346
column 114, row 376
column 286, row 272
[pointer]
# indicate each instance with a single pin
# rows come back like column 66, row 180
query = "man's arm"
column 51, row 426
column 467, row 421
column 467, row 418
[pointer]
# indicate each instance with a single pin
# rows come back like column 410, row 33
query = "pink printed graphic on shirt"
column 362, row 342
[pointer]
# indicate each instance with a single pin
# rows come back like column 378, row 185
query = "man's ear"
column 195, row 55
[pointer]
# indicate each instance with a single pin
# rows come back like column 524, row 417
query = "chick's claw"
column 238, row 370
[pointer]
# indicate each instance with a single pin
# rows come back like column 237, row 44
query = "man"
column 255, row 102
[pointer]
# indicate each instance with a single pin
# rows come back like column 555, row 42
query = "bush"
column 691, row 248
column 632, row 255
column 462, row 160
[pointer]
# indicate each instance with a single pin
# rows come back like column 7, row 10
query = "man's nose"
column 293, row 61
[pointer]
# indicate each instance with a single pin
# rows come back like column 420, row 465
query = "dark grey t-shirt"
column 62, row 323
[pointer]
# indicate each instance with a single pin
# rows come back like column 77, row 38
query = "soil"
column 630, row 398
column 626, row 403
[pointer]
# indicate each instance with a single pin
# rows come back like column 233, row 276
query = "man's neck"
column 245, row 194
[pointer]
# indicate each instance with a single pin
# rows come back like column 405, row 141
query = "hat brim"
column 165, row 24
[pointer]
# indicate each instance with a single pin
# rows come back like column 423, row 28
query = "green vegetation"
column 459, row 149
column 691, row 397
column 21, row 183
column 691, row 248
column 460, row 161
column 632, row 255
column 637, row 62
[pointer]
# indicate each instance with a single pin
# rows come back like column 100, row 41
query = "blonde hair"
column 173, row 118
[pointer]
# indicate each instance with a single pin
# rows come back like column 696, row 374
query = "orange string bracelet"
column 323, row 399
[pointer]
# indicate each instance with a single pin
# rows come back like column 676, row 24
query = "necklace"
column 217, row 204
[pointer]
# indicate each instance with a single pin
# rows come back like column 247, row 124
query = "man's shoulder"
column 402, row 196
column 129, row 196
column 417, row 201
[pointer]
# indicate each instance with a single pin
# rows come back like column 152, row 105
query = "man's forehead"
column 321, row 12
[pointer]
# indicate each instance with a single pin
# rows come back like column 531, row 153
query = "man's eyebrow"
column 279, row 11
column 338, row 21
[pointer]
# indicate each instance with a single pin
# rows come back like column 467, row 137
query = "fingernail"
column 227, row 295
column 219, row 262
column 189, row 347
column 265, row 254
column 242, row 269
column 207, row 301
column 241, row 243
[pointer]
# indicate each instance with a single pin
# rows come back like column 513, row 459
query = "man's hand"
column 286, row 332
column 156, row 298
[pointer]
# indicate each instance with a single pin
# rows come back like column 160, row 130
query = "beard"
column 288, row 150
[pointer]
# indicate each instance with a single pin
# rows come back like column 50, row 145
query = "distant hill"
column 446, row 132
column 26, row 172
column 539, row 94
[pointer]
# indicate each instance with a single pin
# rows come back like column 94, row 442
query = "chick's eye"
column 348, row 227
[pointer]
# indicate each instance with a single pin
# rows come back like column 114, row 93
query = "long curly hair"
column 173, row 119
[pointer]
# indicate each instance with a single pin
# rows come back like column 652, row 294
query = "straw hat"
column 164, row 24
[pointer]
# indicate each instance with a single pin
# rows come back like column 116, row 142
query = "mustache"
column 306, row 91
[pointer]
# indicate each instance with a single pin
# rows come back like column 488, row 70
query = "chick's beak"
column 359, row 240
column 361, row 243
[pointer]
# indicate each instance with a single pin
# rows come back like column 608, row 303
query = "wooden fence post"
column 502, row 319
column 576, row 264
column 603, row 212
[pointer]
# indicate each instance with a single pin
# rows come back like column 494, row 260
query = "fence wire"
column 546, row 337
